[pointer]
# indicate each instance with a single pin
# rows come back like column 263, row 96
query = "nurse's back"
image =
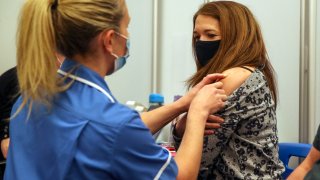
column 52, row 141
column 71, row 141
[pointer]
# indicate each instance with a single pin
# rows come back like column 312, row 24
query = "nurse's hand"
column 208, row 100
column 159, row 117
column 186, row 99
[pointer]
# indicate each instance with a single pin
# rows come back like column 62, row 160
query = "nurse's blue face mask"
column 121, row 61
column 205, row 50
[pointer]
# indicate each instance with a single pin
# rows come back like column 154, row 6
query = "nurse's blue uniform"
column 86, row 134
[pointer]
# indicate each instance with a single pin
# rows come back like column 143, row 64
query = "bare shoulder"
column 235, row 77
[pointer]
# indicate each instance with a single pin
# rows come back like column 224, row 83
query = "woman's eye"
column 211, row 35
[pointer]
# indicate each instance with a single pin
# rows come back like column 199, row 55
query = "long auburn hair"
column 241, row 43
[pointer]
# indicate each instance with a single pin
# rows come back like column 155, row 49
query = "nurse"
column 68, row 125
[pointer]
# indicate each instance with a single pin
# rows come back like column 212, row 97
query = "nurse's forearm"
column 191, row 146
column 158, row 118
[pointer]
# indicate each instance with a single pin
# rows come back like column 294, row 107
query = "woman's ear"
column 108, row 40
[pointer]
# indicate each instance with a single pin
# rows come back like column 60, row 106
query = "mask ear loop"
column 60, row 62
column 126, row 38
column 119, row 34
column 104, row 44
column 127, row 43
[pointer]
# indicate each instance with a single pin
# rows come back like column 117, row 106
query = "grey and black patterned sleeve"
column 234, row 111
column 248, row 131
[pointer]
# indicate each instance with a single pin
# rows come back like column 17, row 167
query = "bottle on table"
column 155, row 101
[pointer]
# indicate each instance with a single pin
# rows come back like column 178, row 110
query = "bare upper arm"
column 235, row 77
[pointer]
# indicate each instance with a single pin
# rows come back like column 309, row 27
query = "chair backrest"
column 287, row 150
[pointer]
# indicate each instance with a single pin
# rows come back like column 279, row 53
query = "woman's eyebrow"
column 206, row 30
column 211, row 30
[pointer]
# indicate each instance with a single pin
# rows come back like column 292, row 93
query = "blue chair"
column 286, row 150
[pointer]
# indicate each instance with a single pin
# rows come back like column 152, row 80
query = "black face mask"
column 205, row 50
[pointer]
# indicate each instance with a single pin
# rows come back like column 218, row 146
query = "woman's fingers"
column 208, row 132
column 212, row 123
column 215, row 119
column 212, row 126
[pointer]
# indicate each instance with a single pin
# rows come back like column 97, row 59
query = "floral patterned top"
column 246, row 145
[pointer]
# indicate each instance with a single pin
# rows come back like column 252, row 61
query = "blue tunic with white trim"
column 84, row 135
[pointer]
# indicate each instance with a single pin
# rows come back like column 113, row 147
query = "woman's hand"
column 180, row 125
column 212, row 123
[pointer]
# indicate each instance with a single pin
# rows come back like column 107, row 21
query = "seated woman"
column 228, row 39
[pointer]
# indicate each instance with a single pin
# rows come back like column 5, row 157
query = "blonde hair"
column 241, row 43
column 64, row 26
